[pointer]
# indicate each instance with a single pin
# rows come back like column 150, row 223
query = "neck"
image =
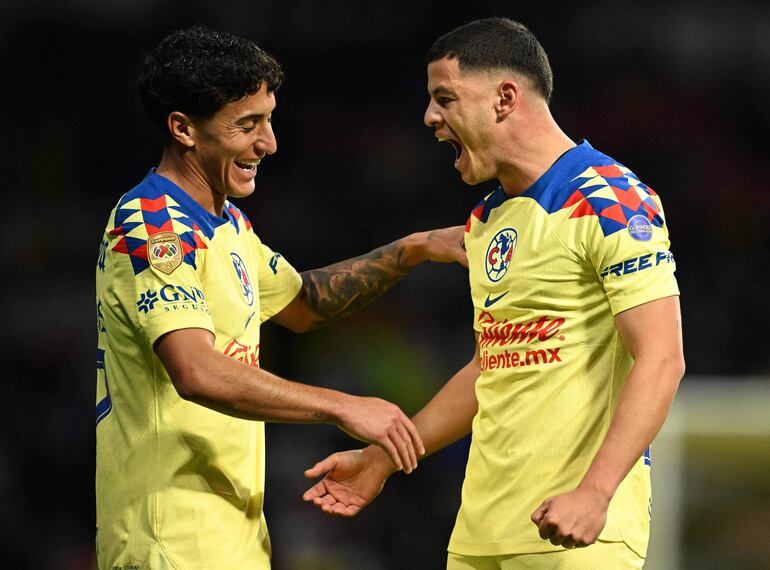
column 177, row 167
column 533, row 146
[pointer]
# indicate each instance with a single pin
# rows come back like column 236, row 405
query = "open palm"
column 352, row 480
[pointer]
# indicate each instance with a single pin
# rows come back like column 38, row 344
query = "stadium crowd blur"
column 677, row 92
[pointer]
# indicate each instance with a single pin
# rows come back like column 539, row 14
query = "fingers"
column 328, row 504
column 415, row 436
column 562, row 535
column 403, row 439
column 340, row 510
column 316, row 491
column 539, row 513
column 322, row 467
column 384, row 424
column 545, row 529
column 405, row 448
column 387, row 446
column 414, row 445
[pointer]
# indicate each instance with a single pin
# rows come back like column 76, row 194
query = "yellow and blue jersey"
column 179, row 485
column 549, row 269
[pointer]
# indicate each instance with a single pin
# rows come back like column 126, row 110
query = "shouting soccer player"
column 183, row 284
column 577, row 321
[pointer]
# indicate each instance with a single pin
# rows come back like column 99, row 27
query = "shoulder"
column 153, row 225
column 599, row 192
column 237, row 218
column 482, row 210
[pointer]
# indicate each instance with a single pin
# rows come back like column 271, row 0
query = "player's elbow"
column 679, row 367
column 188, row 383
column 673, row 367
column 189, row 376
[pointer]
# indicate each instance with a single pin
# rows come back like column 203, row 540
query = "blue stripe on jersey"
column 104, row 407
column 553, row 188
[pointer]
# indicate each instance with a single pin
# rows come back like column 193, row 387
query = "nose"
column 432, row 117
column 266, row 142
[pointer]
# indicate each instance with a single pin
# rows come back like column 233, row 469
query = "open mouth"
column 458, row 148
column 247, row 165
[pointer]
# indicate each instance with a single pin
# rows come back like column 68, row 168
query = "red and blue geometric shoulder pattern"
column 147, row 210
column 483, row 208
column 613, row 194
column 607, row 190
column 237, row 218
column 590, row 184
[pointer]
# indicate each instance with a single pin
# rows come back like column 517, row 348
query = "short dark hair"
column 497, row 43
column 197, row 71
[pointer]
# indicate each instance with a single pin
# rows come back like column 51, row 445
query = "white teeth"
column 442, row 139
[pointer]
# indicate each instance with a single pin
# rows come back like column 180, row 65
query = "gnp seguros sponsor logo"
column 173, row 298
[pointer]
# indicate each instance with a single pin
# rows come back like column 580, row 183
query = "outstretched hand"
column 352, row 480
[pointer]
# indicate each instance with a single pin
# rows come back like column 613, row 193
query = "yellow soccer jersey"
column 178, row 486
column 549, row 269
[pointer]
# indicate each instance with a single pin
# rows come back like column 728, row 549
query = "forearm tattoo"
column 339, row 290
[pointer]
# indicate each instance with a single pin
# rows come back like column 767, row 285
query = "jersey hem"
column 648, row 296
column 506, row 548
column 191, row 322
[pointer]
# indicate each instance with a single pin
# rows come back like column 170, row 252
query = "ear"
column 508, row 96
column 181, row 128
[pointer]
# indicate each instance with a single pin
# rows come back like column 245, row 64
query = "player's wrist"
column 601, row 489
column 337, row 408
column 379, row 460
column 413, row 250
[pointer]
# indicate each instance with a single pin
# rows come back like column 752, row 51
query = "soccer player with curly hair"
column 183, row 285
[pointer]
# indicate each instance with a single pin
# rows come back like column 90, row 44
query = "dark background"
column 677, row 92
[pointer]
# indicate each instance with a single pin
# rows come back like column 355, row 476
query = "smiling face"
column 228, row 146
column 462, row 112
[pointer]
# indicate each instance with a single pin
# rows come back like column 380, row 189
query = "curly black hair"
column 197, row 71
column 497, row 43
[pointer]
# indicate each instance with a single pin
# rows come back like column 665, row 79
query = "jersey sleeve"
column 157, row 296
column 279, row 282
column 634, row 264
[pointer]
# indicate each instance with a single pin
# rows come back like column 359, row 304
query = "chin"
column 240, row 192
column 472, row 179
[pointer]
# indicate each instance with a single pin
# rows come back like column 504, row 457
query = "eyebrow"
column 441, row 90
column 253, row 116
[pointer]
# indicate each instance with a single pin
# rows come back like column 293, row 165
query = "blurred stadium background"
column 677, row 91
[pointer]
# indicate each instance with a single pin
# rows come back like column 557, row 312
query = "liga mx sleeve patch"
column 164, row 251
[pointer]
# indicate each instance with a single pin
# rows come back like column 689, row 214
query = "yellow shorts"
column 598, row 556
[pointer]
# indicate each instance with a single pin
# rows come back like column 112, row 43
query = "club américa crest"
column 247, row 288
column 499, row 254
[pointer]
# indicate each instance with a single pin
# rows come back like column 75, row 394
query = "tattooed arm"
column 337, row 291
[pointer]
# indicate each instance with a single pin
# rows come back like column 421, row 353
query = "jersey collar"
column 205, row 219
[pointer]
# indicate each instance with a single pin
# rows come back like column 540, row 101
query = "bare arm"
column 353, row 479
column 337, row 291
column 448, row 417
column 207, row 377
column 653, row 335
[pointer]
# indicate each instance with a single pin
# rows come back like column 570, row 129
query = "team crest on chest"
column 164, row 251
column 499, row 254
column 247, row 287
